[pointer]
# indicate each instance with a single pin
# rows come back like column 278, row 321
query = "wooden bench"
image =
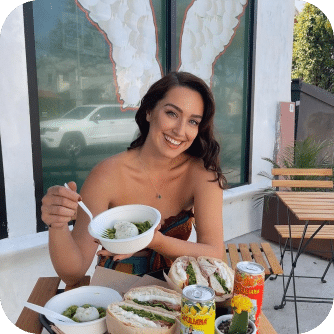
column 47, row 287
column 261, row 253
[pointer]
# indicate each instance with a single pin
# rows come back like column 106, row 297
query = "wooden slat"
column 315, row 217
column 276, row 268
column 234, row 256
column 258, row 258
column 317, row 210
column 45, row 288
column 327, row 232
column 85, row 281
column 307, row 194
column 225, row 259
column 245, row 253
column 302, row 171
column 302, row 183
column 265, row 327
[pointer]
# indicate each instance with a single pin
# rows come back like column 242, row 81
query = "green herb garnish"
column 156, row 304
column 191, row 273
column 109, row 233
column 148, row 315
column 222, row 282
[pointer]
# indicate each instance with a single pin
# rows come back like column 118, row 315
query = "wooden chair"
column 315, row 203
column 310, row 179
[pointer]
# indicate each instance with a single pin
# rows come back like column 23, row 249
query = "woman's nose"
column 180, row 128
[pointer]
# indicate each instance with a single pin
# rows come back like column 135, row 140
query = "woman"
column 172, row 166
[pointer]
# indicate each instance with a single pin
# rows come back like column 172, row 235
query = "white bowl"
column 98, row 296
column 132, row 213
column 227, row 317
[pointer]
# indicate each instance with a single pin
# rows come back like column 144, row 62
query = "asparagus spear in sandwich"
column 185, row 271
column 219, row 274
column 155, row 297
column 130, row 314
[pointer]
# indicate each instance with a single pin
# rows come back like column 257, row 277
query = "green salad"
column 110, row 233
column 72, row 312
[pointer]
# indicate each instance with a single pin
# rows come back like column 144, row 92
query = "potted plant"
column 238, row 322
column 307, row 153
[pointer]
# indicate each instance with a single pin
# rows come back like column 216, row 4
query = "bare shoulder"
column 198, row 172
column 103, row 174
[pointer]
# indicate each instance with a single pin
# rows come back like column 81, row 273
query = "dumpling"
column 125, row 230
column 86, row 314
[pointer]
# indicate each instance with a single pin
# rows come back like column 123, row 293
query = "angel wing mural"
column 130, row 28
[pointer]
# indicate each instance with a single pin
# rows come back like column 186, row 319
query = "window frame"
column 171, row 52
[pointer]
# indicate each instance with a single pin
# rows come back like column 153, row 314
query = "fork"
column 97, row 230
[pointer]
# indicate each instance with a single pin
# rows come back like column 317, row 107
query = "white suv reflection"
column 89, row 125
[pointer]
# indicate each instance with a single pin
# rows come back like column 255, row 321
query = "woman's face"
column 175, row 120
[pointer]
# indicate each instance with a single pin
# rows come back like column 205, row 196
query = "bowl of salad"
column 85, row 305
column 125, row 229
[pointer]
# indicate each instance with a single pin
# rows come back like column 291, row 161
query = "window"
column 95, row 62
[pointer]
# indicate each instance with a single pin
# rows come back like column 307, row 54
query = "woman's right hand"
column 60, row 205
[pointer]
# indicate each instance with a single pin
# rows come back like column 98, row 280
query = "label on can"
column 198, row 310
column 249, row 281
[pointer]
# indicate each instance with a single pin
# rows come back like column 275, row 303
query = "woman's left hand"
column 116, row 257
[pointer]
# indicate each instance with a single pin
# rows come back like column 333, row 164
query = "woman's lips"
column 172, row 142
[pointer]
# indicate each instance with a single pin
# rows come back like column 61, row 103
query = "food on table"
column 204, row 270
column 125, row 229
column 198, row 309
column 124, row 314
column 84, row 313
column 219, row 274
column 249, row 281
column 155, row 298
column 185, row 271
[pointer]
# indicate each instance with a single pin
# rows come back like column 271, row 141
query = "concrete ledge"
column 244, row 192
column 235, row 196
column 12, row 246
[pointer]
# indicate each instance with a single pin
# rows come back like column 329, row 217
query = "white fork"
column 99, row 231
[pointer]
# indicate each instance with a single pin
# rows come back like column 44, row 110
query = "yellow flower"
column 241, row 303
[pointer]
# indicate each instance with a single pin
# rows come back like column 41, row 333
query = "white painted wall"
column 273, row 54
column 15, row 128
column 272, row 80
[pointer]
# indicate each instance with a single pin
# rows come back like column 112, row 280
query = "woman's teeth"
column 172, row 141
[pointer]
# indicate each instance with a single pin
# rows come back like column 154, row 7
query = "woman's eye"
column 193, row 122
column 171, row 113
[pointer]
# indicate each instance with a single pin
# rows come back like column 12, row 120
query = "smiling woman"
column 172, row 166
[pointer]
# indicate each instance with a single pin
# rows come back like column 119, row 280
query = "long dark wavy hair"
column 204, row 145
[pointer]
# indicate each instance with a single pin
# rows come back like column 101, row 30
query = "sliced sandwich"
column 218, row 273
column 185, row 271
column 126, row 314
column 155, row 298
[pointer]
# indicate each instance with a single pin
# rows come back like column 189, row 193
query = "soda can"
column 249, row 281
column 198, row 310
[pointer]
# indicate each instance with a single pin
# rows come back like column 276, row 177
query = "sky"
column 299, row 4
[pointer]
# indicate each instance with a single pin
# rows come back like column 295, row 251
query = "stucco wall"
column 272, row 63
column 15, row 128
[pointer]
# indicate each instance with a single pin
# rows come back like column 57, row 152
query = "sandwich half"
column 155, row 298
column 185, row 271
column 125, row 314
column 219, row 274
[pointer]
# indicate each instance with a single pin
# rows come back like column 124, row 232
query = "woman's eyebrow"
column 181, row 111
